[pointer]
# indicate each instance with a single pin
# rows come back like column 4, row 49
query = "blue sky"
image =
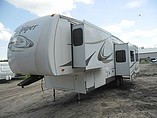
column 132, row 21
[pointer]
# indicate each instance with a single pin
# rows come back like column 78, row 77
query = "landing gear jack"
column 119, row 81
column 54, row 95
column 79, row 98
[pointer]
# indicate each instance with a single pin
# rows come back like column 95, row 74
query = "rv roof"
column 75, row 21
column 117, row 38
column 71, row 19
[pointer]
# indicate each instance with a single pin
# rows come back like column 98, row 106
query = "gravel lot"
column 137, row 99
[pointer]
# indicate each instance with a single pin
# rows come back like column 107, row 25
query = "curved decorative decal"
column 87, row 61
column 67, row 64
column 102, row 57
column 19, row 43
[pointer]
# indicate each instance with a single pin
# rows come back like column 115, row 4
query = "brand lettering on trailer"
column 27, row 28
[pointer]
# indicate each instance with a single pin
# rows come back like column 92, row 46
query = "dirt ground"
column 137, row 99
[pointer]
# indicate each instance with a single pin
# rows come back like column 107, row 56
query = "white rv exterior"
column 5, row 71
column 71, row 54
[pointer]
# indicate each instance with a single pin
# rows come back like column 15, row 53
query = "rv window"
column 132, row 56
column 78, row 37
column 136, row 55
column 120, row 56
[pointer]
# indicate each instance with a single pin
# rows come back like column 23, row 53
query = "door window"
column 77, row 37
column 120, row 56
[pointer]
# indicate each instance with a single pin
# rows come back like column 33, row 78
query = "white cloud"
column 85, row 1
column 3, row 53
column 118, row 28
column 46, row 7
column 135, row 3
column 146, row 38
column 5, row 33
column 128, row 32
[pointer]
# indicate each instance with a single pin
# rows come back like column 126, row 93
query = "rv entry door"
column 78, row 46
column 122, row 59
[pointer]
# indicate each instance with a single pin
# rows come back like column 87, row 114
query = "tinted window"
column 77, row 37
column 120, row 56
column 132, row 56
column 136, row 55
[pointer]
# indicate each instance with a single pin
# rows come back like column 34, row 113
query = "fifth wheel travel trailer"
column 5, row 71
column 70, row 54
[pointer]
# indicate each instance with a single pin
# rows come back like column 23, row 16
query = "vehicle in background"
column 154, row 60
column 5, row 71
